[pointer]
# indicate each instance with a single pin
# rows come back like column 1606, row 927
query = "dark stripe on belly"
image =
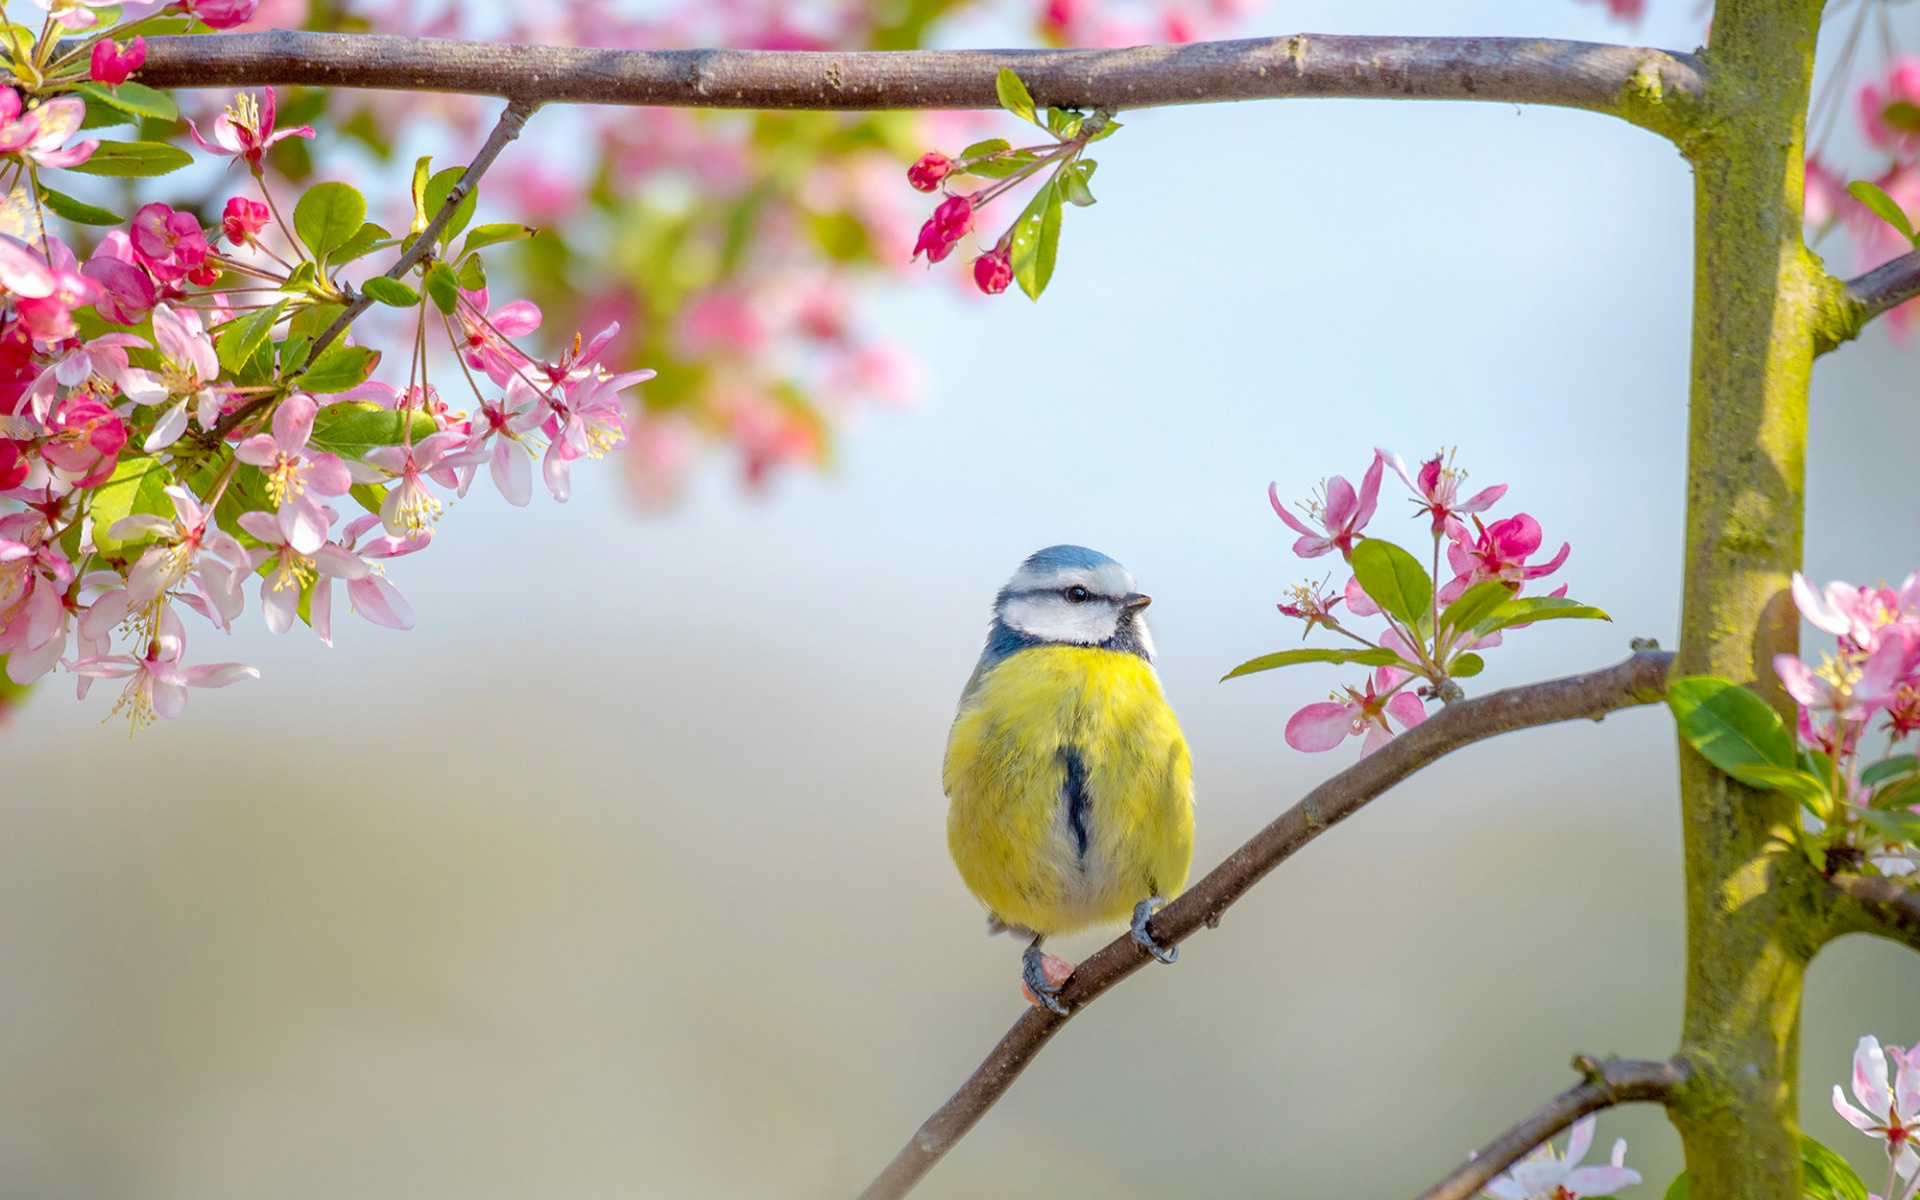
column 1074, row 793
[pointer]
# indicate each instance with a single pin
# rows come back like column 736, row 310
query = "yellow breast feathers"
column 1071, row 791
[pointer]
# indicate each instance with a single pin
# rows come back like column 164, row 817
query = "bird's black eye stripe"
column 1076, row 594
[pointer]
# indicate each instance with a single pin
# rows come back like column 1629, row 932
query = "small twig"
column 1641, row 679
column 504, row 131
column 1878, row 905
column 1656, row 88
column 1607, row 1084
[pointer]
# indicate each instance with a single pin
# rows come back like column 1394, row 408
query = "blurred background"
column 624, row 873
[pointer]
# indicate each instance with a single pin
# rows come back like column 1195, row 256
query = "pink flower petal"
column 1320, row 727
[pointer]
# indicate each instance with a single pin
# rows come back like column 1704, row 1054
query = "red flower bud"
column 926, row 174
column 243, row 219
column 111, row 64
column 205, row 275
column 949, row 223
column 993, row 271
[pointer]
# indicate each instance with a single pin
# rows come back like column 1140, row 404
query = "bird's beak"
column 1134, row 601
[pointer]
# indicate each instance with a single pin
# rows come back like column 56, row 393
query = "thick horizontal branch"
column 1655, row 88
column 1641, row 679
column 1875, row 904
column 1607, row 1084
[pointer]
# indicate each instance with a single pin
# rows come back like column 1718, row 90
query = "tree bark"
column 1759, row 300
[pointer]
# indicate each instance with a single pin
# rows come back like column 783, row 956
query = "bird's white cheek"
column 1054, row 620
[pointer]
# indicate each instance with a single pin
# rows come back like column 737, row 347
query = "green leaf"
column 1466, row 666
column 1394, row 579
column 1072, row 181
column 79, row 211
column 240, row 341
column 369, row 496
column 327, row 216
column 1105, row 131
column 1475, row 604
column 1525, row 610
column 471, row 273
column 339, row 368
column 982, row 149
column 1901, row 793
column 443, row 287
column 353, row 427
column 138, row 485
column 304, row 277
column 135, row 98
column 1899, row 825
column 1011, row 163
column 1903, row 115
column 1677, row 1190
column 422, row 167
column 131, row 159
column 370, row 238
column 435, row 197
column 390, row 291
column 1887, row 768
column 1827, row 1176
column 493, row 235
column 1882, row 206
column 1036, row 240
column 1809, row 789
column 1014, row 96
column 1729, row 725
column 293, row 352
column 1288, row 658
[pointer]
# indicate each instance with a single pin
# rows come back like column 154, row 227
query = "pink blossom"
column 156, row 682
column 1310, row 604
column 111, row 64
column 1437, row 488
column 1325, row 725
column 225, row 14
column 411, row 508
column 1496, row 551
column 127, row 289
column 243, row 219
column 1844, row 687
column 22, row 271
column 368, row 591
column 1861, row 616
column 50, row 318
column 34, row 576
column 73, row 14
column 41, row 133
column 504, row 422
column 486, row 347
column 246, row 129
column 188, row 366
column 292, row 570
column 168, row 243
column 1544, row 1175
column 1891, row 1114
column 183, row 537
column 295, row 479
column 587, row 424
column 1340, row 512
column 84, row 443
column 1890, row 108
column 723, row 321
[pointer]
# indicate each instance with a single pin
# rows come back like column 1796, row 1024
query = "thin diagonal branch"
column 1848, row 307
column 1878, row 905
column 505, row 130
column 1659, row 89
column 1641, row 679
column 1607, row 1083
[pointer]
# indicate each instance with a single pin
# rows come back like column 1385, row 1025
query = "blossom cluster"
column 743, row 241
column 1546, row 1175
column 1861, row 808
column 1027, row 250
column 184, row 415
column 1436, row 622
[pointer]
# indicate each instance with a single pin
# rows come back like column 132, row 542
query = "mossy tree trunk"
column 1759, row 300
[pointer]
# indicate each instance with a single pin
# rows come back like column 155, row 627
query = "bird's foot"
column 1141, row 913
column 1042, row 976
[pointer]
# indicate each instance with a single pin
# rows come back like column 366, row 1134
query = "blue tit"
column 1070, row 789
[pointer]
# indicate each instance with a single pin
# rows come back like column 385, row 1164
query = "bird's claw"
column 1142, row 912
column 1033, row 972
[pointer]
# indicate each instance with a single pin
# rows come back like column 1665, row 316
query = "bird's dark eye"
column 1076, row 594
